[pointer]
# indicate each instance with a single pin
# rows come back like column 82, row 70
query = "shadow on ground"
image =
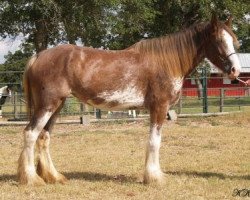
column 92, row 176
column 208, row 175
column 10, row 178
column 89, row 176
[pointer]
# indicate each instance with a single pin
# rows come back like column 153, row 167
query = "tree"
column 35, row 19
column 174, row 15
column 113, row 24
column 109, row 24
column 14, row 65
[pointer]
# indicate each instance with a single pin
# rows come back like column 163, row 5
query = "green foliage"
column 129, row 23
column 35, row 19
column 110, row 24
column 10, row 71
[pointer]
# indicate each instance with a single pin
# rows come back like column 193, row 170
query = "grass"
column 203, row 158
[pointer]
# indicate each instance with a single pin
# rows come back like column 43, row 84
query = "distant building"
column 217, row 81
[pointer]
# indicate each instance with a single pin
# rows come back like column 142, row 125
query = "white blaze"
column 230, row 49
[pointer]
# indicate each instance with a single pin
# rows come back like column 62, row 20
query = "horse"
column 4, row 93
column 148, row 74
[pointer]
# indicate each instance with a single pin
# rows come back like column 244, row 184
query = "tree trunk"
column 71, row 36
column 40, row 36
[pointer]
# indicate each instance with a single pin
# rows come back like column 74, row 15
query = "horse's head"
column 220, row 49
column 5, row 91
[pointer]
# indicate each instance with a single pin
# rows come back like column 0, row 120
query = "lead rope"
column 245, row 82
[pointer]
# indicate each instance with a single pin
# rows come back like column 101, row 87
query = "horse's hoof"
column 52, row 179
column 31, row 180
column 156, row 177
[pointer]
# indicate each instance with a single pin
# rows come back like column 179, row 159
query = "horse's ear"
column 214, row 22
column 229, row 22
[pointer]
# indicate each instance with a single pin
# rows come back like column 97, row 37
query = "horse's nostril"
column 233, row 69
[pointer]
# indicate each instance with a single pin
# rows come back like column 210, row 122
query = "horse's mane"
column 175, row 53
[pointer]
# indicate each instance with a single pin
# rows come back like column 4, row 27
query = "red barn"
column 217, row 82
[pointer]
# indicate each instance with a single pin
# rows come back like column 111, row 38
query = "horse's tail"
column 26, row 85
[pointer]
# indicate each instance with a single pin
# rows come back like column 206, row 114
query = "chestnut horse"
column 149, row 74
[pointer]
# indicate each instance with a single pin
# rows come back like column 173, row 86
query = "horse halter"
column 225, row 61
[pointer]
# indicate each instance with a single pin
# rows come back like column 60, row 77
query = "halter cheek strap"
column 224, row 59
column 230, row 54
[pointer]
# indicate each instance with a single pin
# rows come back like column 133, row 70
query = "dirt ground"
column 203, row 158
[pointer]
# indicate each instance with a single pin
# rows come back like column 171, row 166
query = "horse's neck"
column 199, row 53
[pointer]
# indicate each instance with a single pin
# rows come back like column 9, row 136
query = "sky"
column 7, row 45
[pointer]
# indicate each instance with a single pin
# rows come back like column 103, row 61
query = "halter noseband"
column 224, row 60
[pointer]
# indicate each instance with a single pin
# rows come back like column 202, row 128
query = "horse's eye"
column 220, row 41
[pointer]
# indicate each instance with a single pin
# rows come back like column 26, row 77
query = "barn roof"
column 244, row 60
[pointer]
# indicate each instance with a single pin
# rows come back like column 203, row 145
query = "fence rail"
column 218, row 98
column 15, row 106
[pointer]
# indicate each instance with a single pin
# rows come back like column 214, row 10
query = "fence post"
column 15, row 106
column 98, row 114
column 180, row 104
column 204, row 84
column 1, row 112
column 222, row 92
column 82, row 108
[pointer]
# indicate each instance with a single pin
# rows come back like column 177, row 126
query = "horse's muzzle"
column 234, row 73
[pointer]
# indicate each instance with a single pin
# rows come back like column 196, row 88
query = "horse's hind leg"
column 26, row 167
column 45, row 167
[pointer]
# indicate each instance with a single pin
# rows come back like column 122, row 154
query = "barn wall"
column 215, row 85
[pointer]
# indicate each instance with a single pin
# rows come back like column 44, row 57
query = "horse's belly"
column 115, row 106
column 127, row 98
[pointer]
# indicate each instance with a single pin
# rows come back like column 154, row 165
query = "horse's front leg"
column 153, row 171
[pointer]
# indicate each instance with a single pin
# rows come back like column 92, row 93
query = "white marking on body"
column 177, row 85
column 31, row 135
column 230, row 49
column 128, row 97
column 43, row 121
